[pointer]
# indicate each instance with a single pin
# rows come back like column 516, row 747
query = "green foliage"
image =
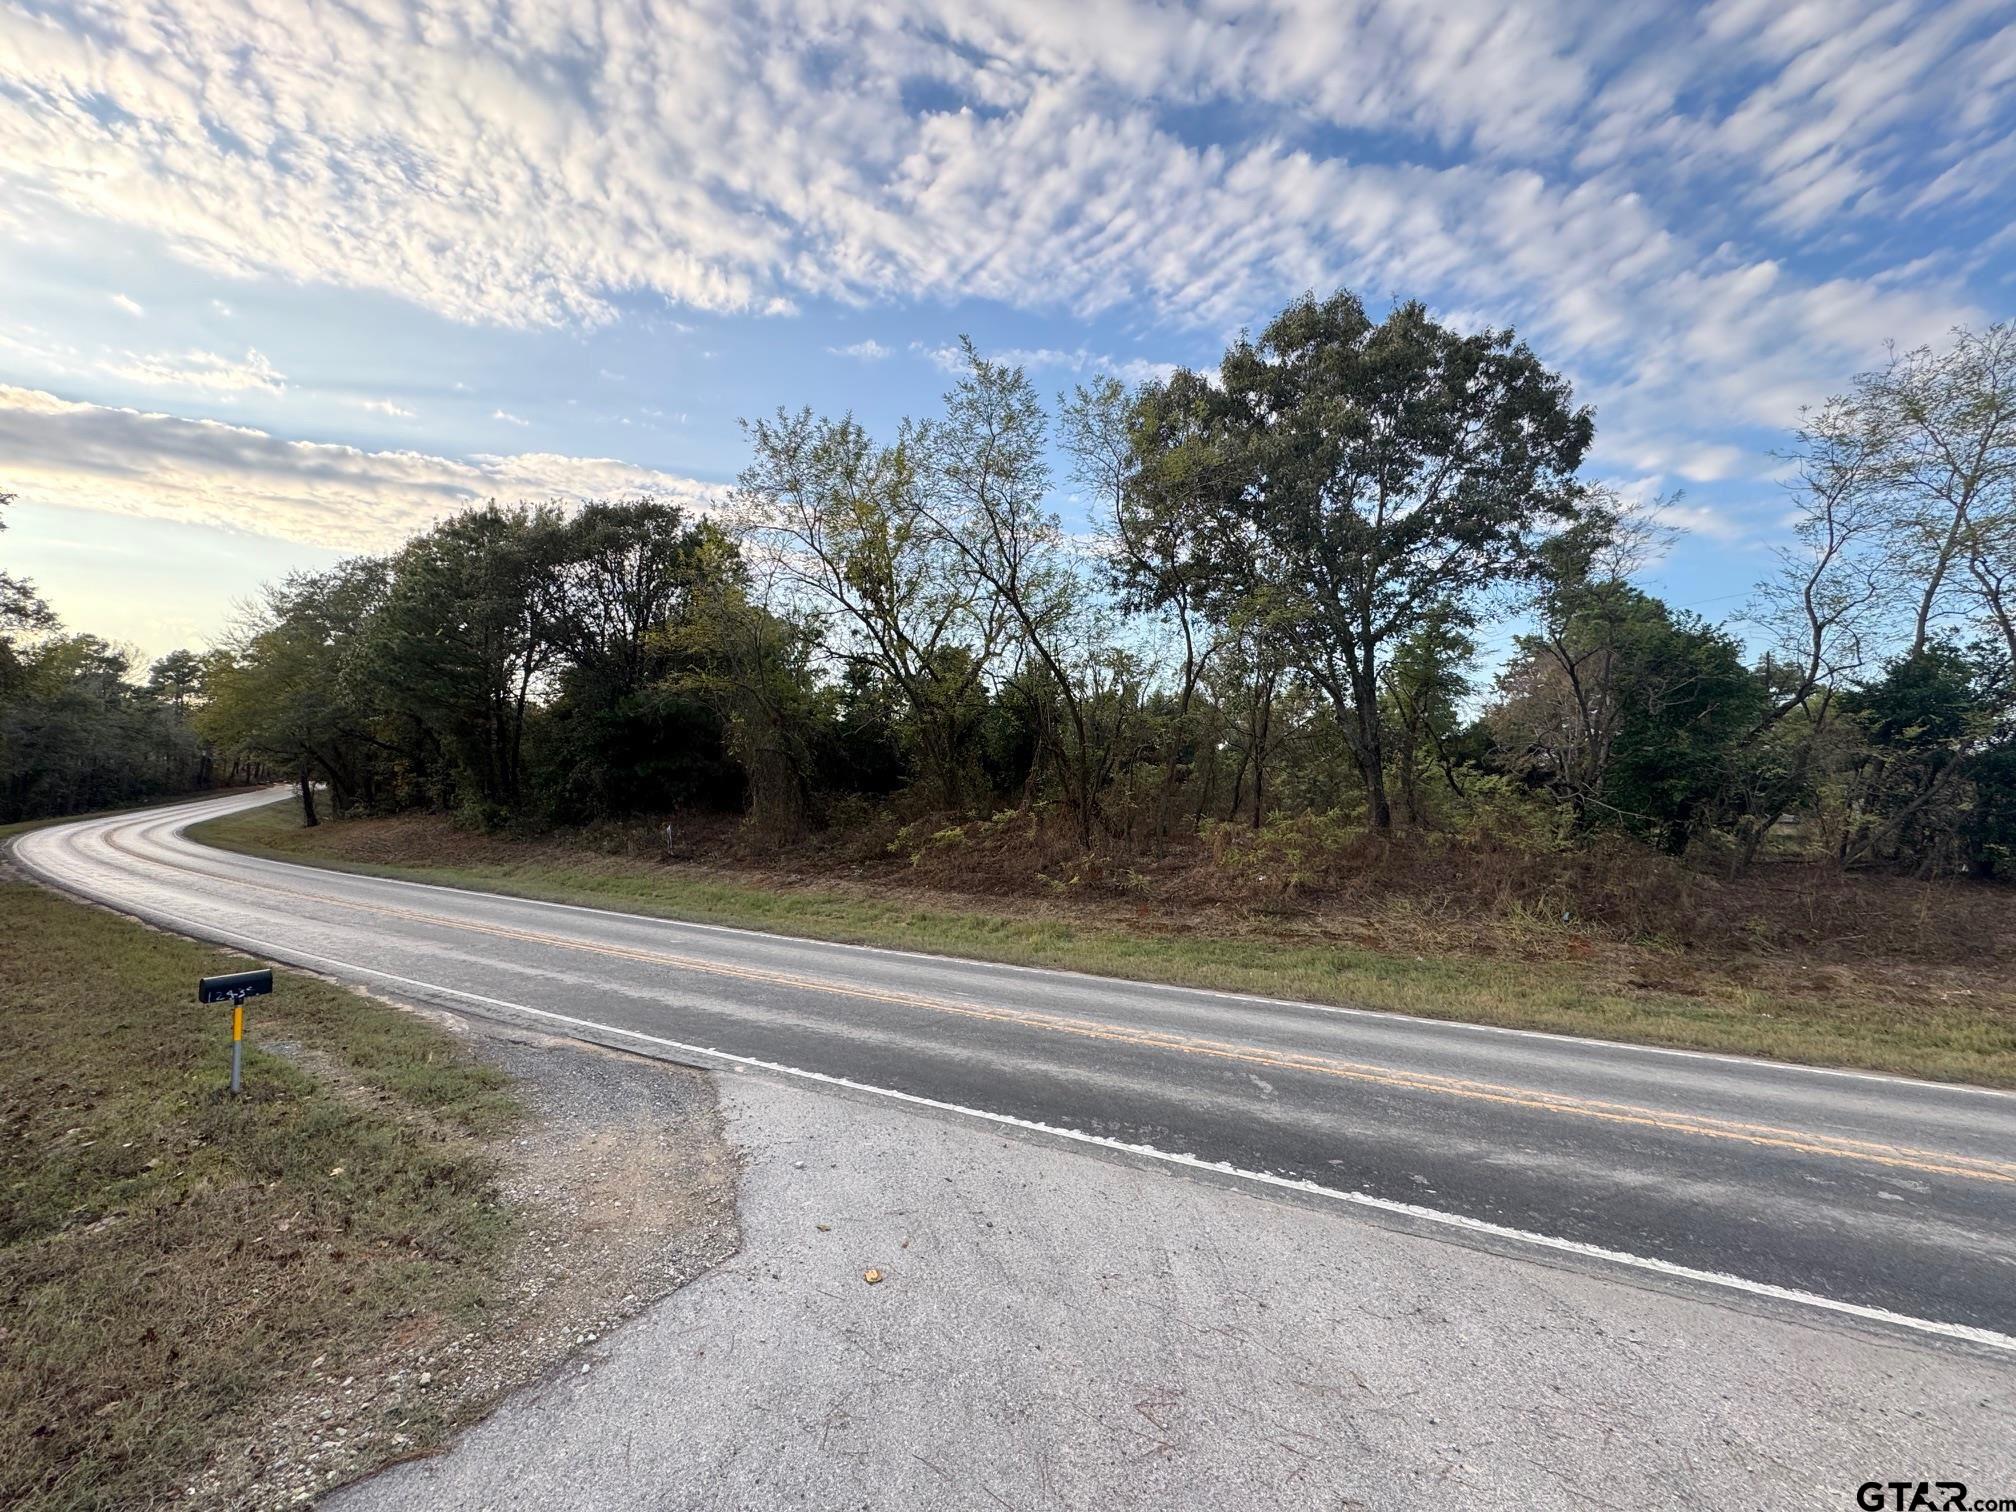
column 76, row 733
column 1362, row 478
column 1280, row 619
column 1932, row 787
column 753, row 668
column 1688, row 698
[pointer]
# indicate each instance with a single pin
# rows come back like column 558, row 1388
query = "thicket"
column 1272, row 628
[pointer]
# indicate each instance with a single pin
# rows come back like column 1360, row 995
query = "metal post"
column 237, row 1039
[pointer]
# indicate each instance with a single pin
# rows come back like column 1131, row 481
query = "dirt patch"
column 625, row 1190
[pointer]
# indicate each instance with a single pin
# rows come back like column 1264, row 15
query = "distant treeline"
column 79, row 732
column 1275, row 618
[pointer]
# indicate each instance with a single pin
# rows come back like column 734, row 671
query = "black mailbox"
column 239, row 984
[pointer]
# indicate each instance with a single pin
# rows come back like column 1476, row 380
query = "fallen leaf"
column 871, row 1276
column 825, row 1228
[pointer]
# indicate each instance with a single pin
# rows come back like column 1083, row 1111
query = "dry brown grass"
column 1478, row 892
column 173, row 1258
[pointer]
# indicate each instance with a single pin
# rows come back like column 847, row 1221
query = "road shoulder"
column 1052, row 1328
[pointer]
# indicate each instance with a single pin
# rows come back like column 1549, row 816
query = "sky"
column 286, row 280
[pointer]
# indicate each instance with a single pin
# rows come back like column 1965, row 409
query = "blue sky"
column 290, row 280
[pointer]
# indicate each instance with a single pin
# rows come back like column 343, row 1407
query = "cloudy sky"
column 288, row 279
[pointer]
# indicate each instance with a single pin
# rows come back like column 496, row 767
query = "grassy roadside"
column 1787, row 1012
column 173, row 1261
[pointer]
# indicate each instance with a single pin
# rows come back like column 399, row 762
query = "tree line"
column 1273, row 620
column 80, row 728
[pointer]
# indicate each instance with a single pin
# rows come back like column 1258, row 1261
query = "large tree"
column 1943, row 426
column 1374, row 475
column 986, row 486
column 619, row 733
column 469, row 628
column 286, row 686
column 1157, row 548
column 841, row 527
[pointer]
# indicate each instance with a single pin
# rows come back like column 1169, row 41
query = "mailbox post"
column 234, row 989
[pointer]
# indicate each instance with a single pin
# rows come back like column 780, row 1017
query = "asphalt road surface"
column 1881, row 1202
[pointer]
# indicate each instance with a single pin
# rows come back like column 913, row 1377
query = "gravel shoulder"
column 1056, row 1329
column 625, row 1191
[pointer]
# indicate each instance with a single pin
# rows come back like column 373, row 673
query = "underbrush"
column 1495, row 885
column 1607, row 888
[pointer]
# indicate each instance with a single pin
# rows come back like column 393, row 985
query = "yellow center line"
column 1842, row 1147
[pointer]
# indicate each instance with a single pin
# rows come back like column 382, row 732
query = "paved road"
column 1883, row 1202
column 1057, row 1333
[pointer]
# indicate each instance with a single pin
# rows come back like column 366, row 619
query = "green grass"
column 173, row 1259
column 1968, row 1040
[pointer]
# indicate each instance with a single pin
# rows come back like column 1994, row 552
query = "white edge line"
column 1667, row 1268
column 1387, row 1016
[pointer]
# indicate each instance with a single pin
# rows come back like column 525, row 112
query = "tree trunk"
column 1363, row 735
column 1410, row 796
column 308, row 819
column 1378, row 810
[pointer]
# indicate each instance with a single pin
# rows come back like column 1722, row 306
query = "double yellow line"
column 1901, row 1157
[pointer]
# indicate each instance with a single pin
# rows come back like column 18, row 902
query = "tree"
column 22, row 612
column 1689, row 698
column 1627, row 711
column 618, row 734
column 843, row 527
column 1944, row 425
column 1935, row 720
column 985, row 488
column 1375, row 475
column 1828, row 596
column 288, row 686
column 79, row 735
column 754, row 668
column 177, row 678
column 1150, row 464
column 1426, row 684
column 469, row 627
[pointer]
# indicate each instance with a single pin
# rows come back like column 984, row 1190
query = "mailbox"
column 235, row 987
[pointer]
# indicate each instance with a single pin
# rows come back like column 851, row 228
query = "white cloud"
column 508, row 418
column 870, row 350
column 1700, row 520
column 205, row 372
column 1079, row 360
column 1569, row 165
column 159, row 466
column 386, row 407
column 130, row 305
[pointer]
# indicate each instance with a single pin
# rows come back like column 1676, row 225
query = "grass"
column 174, row 1260
column 1817, row 1016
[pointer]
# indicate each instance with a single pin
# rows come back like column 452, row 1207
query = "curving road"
column 1874, row 1201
